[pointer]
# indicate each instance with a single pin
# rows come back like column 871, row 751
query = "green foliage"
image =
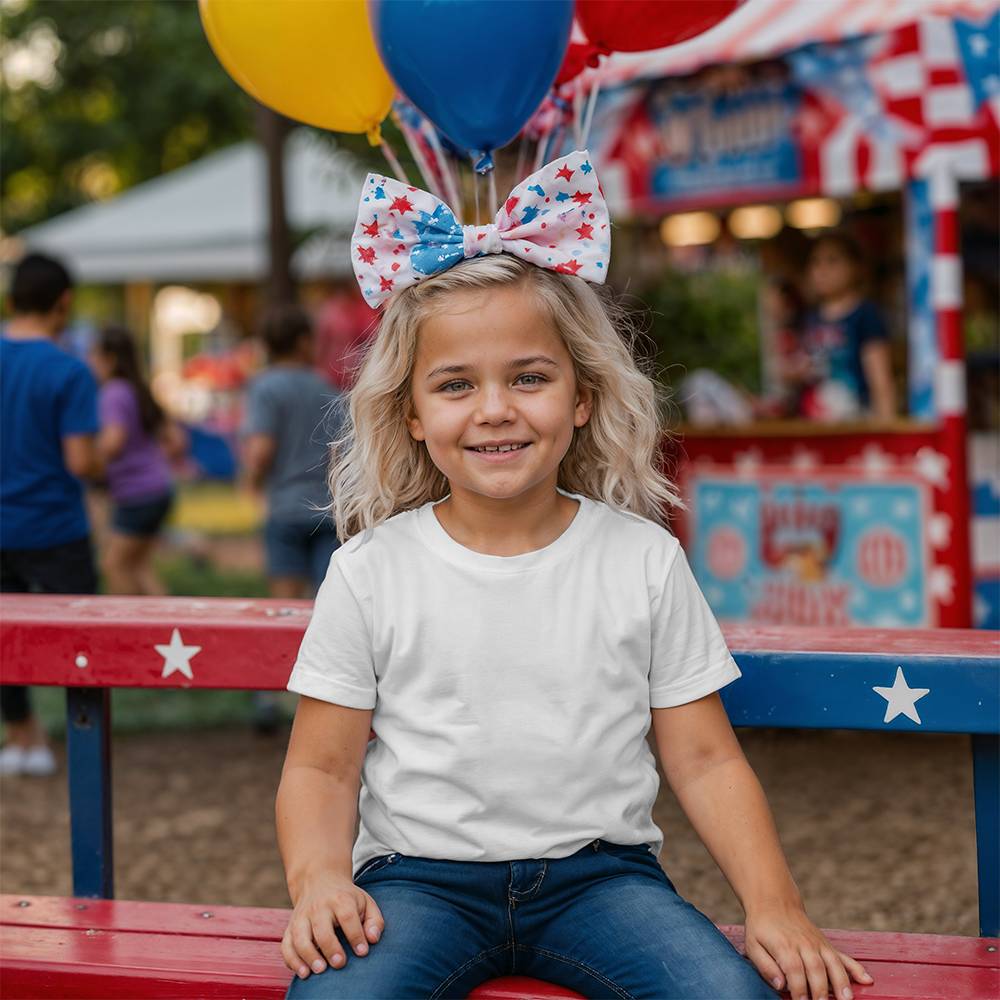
column 705, row 320
column 117, row 92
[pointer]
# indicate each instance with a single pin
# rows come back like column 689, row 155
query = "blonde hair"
column 377, row 469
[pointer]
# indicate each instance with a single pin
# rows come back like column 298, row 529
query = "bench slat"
column 268, row 924
column 74, row 963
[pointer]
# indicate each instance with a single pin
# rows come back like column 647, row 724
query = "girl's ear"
column 413, row 424
column 584, row 405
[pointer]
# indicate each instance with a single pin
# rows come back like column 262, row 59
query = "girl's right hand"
column 329, row 901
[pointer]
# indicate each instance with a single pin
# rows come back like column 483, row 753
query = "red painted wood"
column 118, row 948
column 42, row 637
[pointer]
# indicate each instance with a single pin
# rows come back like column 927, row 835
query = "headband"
column 555, row 218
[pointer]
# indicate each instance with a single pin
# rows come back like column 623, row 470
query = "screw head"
column 207, row 915
column 23, row 902
column 81, row 661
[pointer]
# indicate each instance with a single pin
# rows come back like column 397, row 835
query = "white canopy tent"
column 208, row 221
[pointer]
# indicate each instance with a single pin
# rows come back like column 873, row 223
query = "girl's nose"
column 494, row 404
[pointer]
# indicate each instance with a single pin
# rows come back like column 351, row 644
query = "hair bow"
column 555, row 218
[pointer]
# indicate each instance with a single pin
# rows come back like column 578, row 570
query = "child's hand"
column 791, row 952
column 329, row 901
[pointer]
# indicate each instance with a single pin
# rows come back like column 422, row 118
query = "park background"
column 101, row 99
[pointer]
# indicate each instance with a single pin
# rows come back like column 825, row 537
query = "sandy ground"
column 878, row 828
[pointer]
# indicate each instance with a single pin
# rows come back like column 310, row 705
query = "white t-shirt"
column 512, row 694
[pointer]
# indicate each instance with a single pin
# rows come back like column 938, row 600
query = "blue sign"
column 792, row 551
column 711, row 142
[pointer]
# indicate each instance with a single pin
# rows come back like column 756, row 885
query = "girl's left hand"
column 792, row 953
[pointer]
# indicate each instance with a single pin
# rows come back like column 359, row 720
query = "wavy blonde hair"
column 377, row 469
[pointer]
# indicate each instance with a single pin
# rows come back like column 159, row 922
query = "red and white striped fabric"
column 760, row 29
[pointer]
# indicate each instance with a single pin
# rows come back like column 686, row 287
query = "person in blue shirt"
column 847, row 364
column 48, row 422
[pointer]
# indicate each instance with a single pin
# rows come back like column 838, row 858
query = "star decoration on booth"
column 875, row 460
column 939, row 530
column 803, row 460
column 932, row 466
column 747, row 462
column 941, row 583
column 901, row 699
column 177, row 657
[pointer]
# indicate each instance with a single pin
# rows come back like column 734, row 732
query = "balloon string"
column 543, row 145
column 393, row 162
column 492, row 210
column 577, row 115
column 418, row 157
column 589, row 118
column 447, row 173
column 522, row 159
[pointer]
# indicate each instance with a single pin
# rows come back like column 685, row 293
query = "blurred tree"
column 100, row 96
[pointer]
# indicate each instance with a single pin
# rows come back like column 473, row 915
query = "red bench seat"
column 61, row 947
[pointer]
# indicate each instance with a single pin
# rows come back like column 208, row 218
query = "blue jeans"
column 605, row 921
column 300, row 548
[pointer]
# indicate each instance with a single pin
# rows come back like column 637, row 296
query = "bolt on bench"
column 91, row 945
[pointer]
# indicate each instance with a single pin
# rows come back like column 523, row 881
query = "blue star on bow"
column 441, row 241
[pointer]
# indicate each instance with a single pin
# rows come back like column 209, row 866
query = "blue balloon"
column 478, row 69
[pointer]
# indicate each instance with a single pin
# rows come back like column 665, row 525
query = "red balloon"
column 638, row 25
column 578, row 55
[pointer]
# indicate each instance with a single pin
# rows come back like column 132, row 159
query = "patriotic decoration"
column 555, row 218
column 867, row 112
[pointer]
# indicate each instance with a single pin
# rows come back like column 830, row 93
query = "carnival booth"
column 790, row 110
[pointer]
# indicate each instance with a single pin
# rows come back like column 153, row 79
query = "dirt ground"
column 878, row 827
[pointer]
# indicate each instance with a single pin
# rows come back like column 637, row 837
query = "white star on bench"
column 901, row 699
column 177, row 656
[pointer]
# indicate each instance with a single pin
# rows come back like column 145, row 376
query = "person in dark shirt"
column 847, row 370
column 48, row 406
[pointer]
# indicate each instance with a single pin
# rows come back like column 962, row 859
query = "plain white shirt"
column 511, row 694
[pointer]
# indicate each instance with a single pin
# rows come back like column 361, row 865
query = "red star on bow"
column 564, row 171
column 372, row 228
column 570, row 267
column 581, row 198
column 367, row 254
column 511, row 204
column 586, row 231
column 401, row 205
column 386, row 284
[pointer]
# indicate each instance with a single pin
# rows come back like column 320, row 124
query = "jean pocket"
column 373, row 865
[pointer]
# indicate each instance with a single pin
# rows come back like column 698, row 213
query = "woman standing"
column 137, row 441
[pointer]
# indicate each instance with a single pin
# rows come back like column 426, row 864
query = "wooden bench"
column 91, row 945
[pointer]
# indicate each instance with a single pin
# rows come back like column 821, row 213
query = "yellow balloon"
column 311, row 60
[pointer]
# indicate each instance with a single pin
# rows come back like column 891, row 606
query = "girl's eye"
column 540, row 378
column 447, row 386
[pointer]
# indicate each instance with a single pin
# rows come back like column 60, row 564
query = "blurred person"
column 846, row 368
column 137, row 443
column 345, row 324
column 291, row 416
column 783, row 313
column 48, row 405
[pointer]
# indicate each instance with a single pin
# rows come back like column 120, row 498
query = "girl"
column 510, row 614
column 136, row 442
column 848, row 369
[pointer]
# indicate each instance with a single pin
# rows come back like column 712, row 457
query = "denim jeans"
column 605, row 921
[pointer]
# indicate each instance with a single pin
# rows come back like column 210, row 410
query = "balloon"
column 638, row 25
column 578, row 56
column 311, row 60
column 477, row 69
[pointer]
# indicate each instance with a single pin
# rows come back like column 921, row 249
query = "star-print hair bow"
column 555, row 218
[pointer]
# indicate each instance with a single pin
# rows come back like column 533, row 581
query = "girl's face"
column 491, row 369
column 831, row 271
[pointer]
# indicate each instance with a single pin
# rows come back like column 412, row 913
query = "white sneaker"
column 38, row 761
column 11, row 759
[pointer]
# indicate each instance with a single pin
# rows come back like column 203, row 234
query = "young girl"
column 848, row 366
column 137, row 441
column 511, row 616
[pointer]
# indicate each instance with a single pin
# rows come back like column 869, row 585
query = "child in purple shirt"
column 135, row 439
